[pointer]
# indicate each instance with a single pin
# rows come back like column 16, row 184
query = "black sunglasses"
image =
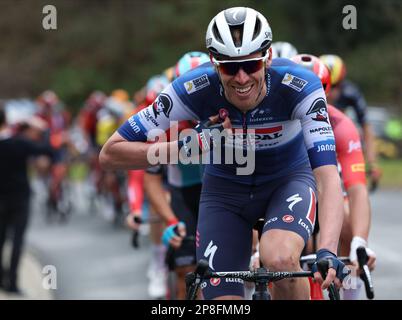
column 232, row 67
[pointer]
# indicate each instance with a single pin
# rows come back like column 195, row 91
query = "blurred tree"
column 105, row 44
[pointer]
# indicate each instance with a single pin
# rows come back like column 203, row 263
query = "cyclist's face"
column 245, row 90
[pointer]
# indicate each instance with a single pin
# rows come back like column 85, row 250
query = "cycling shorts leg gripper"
column 293, row 208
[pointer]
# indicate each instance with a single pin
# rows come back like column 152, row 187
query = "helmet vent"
column 216, row 34
column 237, row 35
column 257, row 28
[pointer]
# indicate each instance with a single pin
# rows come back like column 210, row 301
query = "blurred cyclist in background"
column 344, row 94
column 157, row 270
column 357, row 213
column 111, row 184
column 58, row 119
column 184, row 186
column 282, row 49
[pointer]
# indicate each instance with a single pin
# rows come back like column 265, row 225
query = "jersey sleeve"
column 317, row 130
column 152, row 121
column 349, row 152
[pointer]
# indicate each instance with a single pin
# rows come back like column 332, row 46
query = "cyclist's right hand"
column 173, row 235
column 205, row 135
column 130, row 221
column 360, row 242
column 337, row 270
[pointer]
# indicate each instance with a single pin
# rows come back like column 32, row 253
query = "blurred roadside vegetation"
column 102, row 44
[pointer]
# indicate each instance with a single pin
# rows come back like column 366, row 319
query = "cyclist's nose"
column 241, row 76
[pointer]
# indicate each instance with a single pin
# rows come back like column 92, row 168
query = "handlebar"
column 365, row 275
column 260, row 276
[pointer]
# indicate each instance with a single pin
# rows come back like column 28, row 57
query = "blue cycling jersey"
column 291, row 128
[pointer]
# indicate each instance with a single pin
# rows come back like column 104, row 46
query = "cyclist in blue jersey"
column 276, row 111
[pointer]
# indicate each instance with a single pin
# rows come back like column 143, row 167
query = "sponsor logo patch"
column 215, row 281
column 321, row 130
column 163, row 104
column 318, row 110
column 288, row 218
column 358, row 167
column 196, row 84
column 323, row 146
column 150, row 118
column 294, row 82
column 354, row 146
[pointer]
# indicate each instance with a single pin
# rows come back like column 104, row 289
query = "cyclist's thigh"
column 223, row 235
column 293, row 208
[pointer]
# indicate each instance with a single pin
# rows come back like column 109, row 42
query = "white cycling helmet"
column 281, row 49
column 237, row 32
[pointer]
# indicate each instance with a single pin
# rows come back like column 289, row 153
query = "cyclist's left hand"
column 337, row 270
column 174, row 234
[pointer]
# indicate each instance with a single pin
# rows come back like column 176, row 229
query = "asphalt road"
column 95, row 260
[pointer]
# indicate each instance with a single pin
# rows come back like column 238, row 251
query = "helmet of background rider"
column 336, row 68
column 120, row 95
column 315, row 65
column 96, row 100
column 47, row 100
column 238, row 32
column 154, row 86
column 189, row 61
column 169, row 73
column 282, row 49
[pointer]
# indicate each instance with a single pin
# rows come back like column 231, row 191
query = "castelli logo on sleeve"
column 215, row 281
column 288, row 218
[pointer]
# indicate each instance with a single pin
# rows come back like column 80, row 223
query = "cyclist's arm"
column 359, row 207
column 119, row 153
column 320, row 143
column 369, row 142
column 153, row 186
column 330, row 206
column 127, row 148
column 351, row 159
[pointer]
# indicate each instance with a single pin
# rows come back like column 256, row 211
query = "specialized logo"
column 235, row 15
column 293, row 200
column 358, row 167
column 163, row 104
column 215, row 281
column 210, row 252
column 354, row 146
column 288, row 218
column 196, row 84
column 319, row 110
column 294, row 82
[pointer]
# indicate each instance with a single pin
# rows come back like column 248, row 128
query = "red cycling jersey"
column 348, row 148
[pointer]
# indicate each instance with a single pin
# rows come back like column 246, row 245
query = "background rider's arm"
column 330, row 206
column 156, row 194
column 120, row 154
column 369, row 143
column 359, row 207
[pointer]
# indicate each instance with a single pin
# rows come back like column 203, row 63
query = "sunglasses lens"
column 231, row 68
